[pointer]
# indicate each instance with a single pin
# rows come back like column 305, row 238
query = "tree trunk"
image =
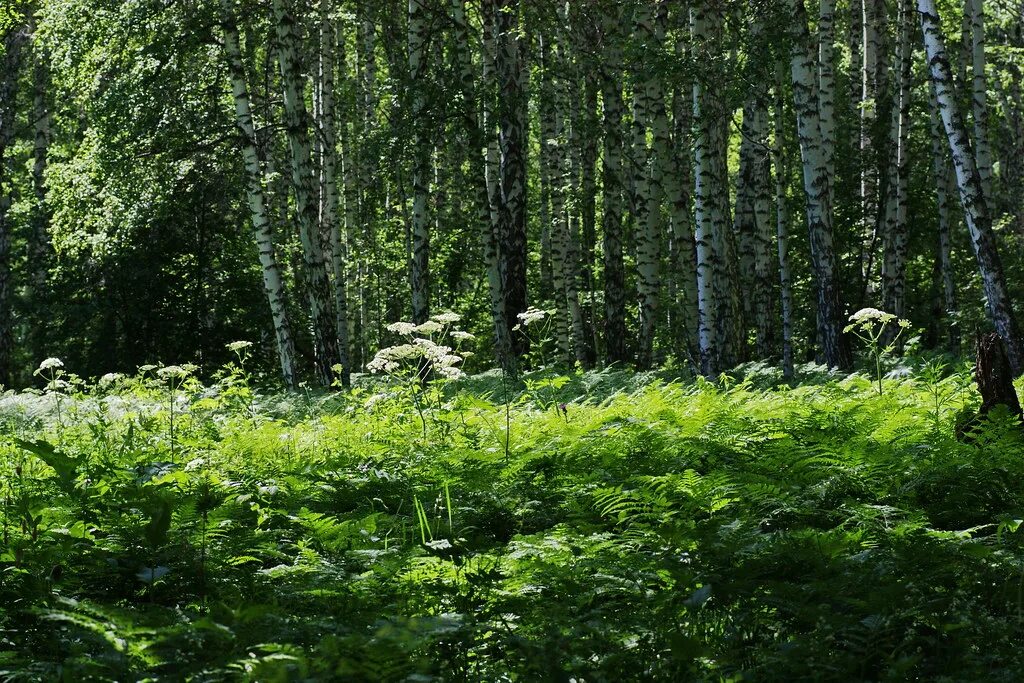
column 553, row 198
column 273, row 281
column 682, row 248
column 782, row 226
column 482, row 140
column 39, row 240
column 972, row 197
column 330, row 223
column 945, row 188
column 612, row 195
column 979, row 94
column 816, row 189
column 318, row 285
column 894, row 264
column 827, row 87
column 710, row 183
column 650, row 185
column 419, row 271
column 994, row 376
column 512, row 140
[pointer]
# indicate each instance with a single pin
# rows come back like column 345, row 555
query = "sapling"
column 870, row 325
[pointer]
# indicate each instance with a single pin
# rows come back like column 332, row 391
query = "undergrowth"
column 614, row 527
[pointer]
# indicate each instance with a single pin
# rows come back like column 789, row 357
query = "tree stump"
column 995, row 383
column 994, row 376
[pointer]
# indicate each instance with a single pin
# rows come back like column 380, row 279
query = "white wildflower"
column 147, row 368
column 173, row 372
column 449, row 360
column 449, row 372
column 531, row 315
column 239, row 346
column 110, row 378
column 405, row 329
column 462, row 336
column 440, row 544
column 430, row 327
column 447, row 318
column 51, row 364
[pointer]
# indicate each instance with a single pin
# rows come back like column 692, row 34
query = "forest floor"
column 646, row 530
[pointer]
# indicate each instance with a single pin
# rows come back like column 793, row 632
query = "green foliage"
column 639, row 529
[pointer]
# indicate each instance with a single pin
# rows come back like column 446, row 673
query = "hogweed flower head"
column 50, row 364
column 402, row 328
column 447, row 318
column 531, row 315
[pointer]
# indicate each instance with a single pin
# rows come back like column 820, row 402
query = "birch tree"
column 329, row 221
column 979, row 97
column 273, row 281
column 972, row 196
column 816, row 190
column 317, row 282
column 613, row 189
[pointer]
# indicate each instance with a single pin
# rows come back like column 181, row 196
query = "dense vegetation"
column 610, row 526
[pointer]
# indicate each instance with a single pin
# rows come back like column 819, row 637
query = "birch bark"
column 972, row 197
column 273, row 282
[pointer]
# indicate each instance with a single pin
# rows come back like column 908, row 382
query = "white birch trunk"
column 317, row 282
column 782, row 228
column 979, row 95
column 647, row 86
column 972, row 197
column 613, row 193
column 709, row 219
column 273, row 282
column 945, row 188
column 330, row 223
column 817, row 193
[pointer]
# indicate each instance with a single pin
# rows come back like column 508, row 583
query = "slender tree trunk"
column 330, row 224
column 979, row 94
column 816, row 189
column 553, row 201
column 647, row 95
column 512, row 139
column 782, row 226
column 273, row 281
column 710, row 183
column 874, row 128
column 420, row 265
column 682, row 248
column 827, row 87
column 589, row 136
column 752, row 220
column 318, row 285
column 565, row 236
column 945, row 187
column 612, row 194
column 481, row 135
column 894, row 265
column 972, row 197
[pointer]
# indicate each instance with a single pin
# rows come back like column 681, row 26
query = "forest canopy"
column 698, row 184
